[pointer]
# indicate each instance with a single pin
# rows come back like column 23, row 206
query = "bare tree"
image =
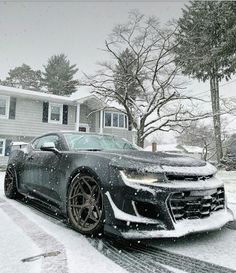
column 202, row 134
column 158, row 104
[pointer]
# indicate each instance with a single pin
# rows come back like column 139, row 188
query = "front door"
column 41, row 174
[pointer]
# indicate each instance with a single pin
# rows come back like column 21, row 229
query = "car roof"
column 62, row 132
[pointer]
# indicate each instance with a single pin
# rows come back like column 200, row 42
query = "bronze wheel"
column 85, row 205
column 10, row 183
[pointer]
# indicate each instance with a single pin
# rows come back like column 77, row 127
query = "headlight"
column 142, row 177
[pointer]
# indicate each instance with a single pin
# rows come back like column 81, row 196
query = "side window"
column 51, row 138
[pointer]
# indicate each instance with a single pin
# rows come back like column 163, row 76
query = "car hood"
column 158, row 158
column 158, row 162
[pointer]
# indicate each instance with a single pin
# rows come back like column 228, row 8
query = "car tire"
column 10, row 188
column 85, row 207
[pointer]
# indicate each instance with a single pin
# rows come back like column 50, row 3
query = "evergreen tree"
column 24, row 77
column 125, row 75
column 206, row 49
column 59, row 74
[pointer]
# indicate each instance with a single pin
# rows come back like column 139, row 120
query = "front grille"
column 196, row 204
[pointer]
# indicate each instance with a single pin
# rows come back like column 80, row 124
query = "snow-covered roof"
column 192, row 149
column 164, row 148
column 83, row 94
column 115, row 105
column 34, row 94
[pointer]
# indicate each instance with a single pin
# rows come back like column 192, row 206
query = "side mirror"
column 49, row 147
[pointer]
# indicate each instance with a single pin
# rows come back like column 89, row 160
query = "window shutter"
column 65, row 114
column 45, row 112
column 8, row 147
column 12, row 108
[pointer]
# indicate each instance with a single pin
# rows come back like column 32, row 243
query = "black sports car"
column 104, row 183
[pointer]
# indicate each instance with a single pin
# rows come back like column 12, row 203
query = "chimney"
column 154, row 147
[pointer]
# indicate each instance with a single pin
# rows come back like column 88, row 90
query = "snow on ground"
column 81, row 255
column 216, row 247
column 24, row 232
column 15, row 245
column 229, row 179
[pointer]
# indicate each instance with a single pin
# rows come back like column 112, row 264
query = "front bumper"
column 124, row 219
column 216, row 221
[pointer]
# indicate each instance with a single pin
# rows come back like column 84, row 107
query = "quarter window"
column 4, row 106
column 2, row 147
column 116, row 120
column 55, row 112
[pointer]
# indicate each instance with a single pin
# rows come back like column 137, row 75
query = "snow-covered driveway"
column 26, row 232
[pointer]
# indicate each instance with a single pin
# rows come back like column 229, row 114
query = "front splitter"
column 184, row 227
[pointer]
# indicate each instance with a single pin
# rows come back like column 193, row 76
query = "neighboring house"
column 170, row 148
column 193, row 151
column 26, row 114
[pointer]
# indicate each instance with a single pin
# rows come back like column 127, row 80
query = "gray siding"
column 124, row 133
column 89, row 117
column 84, row 111
column 28, row 121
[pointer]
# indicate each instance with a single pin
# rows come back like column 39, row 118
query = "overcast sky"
column 31, row 32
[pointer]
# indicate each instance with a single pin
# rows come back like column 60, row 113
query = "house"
column 26, row 114
column 193, row 151
column 169, row 148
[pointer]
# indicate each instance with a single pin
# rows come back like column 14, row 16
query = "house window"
column 55, row 112
column 116, row 120
column 121, row 121
column 107, row 119
column 2, row 147
column 4, row 106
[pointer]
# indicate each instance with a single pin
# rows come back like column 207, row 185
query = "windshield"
column 98, row 142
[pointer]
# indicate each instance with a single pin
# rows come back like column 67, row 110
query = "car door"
column 41, row 170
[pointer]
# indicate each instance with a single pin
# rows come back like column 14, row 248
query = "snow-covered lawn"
column 229, row 179
column 25, row 232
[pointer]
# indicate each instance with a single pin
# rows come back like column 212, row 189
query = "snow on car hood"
column 159, row 162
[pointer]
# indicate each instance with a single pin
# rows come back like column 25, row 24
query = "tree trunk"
column 215, row 102
column 140, row 140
